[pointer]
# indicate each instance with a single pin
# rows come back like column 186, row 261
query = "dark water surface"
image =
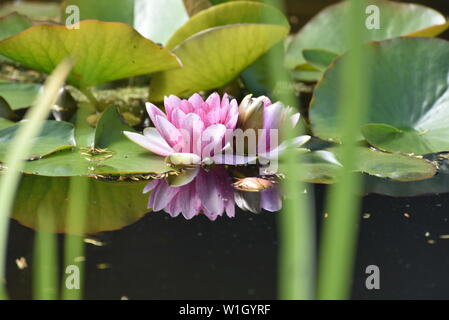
column 160, row 257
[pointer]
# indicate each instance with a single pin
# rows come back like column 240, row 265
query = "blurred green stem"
column 14, row 162
column 296, row 223
column 340, row 229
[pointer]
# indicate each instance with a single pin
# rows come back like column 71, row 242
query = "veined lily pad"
column 323, row 166
column 325, row 30
column 211, row 62
column 103, row 51
column 19, row 95
column 111, row 153
column 53, row 137
column 240, row 12
column 408, row 90
column 111, row 206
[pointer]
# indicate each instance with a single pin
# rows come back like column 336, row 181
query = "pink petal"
column 207, row 190
column 196, row 100
column 212, row 140
column 151, row 185
column 193, row 128
column 214, row 101
column 169, row 132
column 162, row 196
column 151, row 140
column 177, row 117
column 171, row 103
column 154, row 111
column 270, row 199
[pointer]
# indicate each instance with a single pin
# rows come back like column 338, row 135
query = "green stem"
column 91, row 97
column 22, row 147
column 340, row 229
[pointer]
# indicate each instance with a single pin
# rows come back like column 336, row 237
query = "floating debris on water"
column 366, row 215
column 21, row 263
column 444, row 236
column 430, row 241
column 427, row 234
column 407, row 215
column 103, row 266
column 326, row 215
column 94, row 242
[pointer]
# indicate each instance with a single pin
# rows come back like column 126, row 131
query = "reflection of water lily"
column 210, row 192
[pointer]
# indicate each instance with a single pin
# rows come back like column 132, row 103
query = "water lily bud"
column 183, row 159
column 253, row 184
column 251, row 113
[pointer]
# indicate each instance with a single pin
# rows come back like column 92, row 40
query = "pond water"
column 159, row 257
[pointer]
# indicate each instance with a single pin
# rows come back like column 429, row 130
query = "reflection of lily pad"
column 104, row 10
column 323, row 166
column 111, row 206
column 103, row 51
column 325, row 30
column 409, row 96
column 53, row 137
column 34, row 10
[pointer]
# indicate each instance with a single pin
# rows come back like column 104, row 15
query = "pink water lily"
column 210, row 192
column 193, row 127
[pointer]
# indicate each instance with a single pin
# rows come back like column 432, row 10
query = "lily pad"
column 435, row 185
column 211, row 62
column 110, row 154
column 12, row 24
column 325, row 30
column 320, row 59
column 231, row 13
column 19, row 95
column 34, row 10
column 111, row 206
column 103, row 51
column 322, row 166
column 104, row 10
column 409, row 96
column 5, row 123
column 54, row 136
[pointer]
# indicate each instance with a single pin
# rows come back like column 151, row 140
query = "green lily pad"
column 19, row 95
column 110, row 153
column 209, row 60
column 103, row 51
column 408, row 108
column 54, row 136
column 240, row 12
column 111, row 206
column 325, row 30
column 104, row 10
column 34, row 10
column 323, row 166
column 320, row 59
column 5, row 123
column 12, row 24
column 435, row 185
